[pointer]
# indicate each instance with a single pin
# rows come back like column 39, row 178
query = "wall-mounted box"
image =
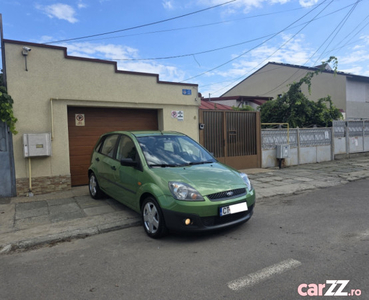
column 283, row 151
column 36, row 144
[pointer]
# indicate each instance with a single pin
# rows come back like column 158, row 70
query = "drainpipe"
column 30, row 194
column 52, row 119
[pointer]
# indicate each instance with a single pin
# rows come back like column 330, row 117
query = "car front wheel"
column 152, row 218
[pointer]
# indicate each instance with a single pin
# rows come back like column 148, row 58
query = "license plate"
column 233, row 209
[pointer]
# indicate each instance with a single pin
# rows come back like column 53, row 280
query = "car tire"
column 152, row 218
column 94, row 188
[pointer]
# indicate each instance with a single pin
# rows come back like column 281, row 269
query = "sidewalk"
column 51, row 218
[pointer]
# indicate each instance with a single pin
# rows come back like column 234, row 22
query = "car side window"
column 98, row 145
column 126, row 149
column 108, row 146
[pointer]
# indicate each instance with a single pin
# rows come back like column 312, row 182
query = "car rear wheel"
column 94, row 187
column 152, row 218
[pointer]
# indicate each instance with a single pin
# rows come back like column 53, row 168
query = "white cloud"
column 45, row 39
column 365, row 39
column 60, row 11
column 120, row 53
column 354, row 70
column 295, row 52
column 308, row 3
column 168, row 4
column 167, row 73
column 247, row 5
column 354, row 57
column 80, row 4
column 102, row 51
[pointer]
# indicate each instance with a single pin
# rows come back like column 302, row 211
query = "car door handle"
column 97, row 159
column 114, row 168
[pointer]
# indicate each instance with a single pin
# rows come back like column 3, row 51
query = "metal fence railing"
column 303, row 137
column 354, row 128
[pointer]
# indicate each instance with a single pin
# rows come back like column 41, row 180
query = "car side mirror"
column 129, row 163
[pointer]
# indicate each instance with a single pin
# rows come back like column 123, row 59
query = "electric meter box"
column 36, row 144
column 283, row 151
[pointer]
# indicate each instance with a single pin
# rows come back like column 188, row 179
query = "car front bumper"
column 176, row 220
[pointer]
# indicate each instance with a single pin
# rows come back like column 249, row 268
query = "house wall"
column 71, row 81
column 357, row 95
column 273, row 79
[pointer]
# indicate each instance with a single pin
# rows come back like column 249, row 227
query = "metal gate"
column 7, row 179
column 234, row 137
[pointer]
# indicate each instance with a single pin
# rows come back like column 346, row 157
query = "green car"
column 172, row 181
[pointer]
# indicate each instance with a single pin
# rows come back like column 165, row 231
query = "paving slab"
column 30, row 221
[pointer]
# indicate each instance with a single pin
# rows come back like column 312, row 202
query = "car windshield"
column 173, row 151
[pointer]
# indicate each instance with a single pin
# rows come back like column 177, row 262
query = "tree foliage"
column 6, row 108
column 294, row 108
column 243, row 108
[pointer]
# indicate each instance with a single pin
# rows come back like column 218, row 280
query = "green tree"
column 6, row 107
column 243, row 108
column 294, row 108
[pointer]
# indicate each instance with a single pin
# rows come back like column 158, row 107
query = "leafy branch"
column 6, row 109
column 295, row 108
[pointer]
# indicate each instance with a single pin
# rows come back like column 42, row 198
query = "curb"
column 65, row 236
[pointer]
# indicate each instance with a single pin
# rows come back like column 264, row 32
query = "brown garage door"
column 97, row 121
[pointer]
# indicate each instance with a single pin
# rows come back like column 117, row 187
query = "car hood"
column 206, row 179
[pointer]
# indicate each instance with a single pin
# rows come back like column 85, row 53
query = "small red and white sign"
column 80, row 119
column 178, row 114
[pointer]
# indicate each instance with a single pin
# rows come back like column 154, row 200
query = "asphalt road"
column 291, row 246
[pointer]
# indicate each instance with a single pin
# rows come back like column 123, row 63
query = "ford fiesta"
column 172, row 181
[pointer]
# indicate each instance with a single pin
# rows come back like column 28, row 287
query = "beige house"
column 74, row 100
column 349, row 93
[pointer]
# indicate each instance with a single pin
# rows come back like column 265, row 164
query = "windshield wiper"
column 163, row 165
column 200, row 163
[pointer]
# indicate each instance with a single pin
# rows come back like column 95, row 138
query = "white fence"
column 312, row 145
column 351, row 137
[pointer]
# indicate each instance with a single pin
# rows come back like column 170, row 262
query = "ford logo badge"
column 229, row 194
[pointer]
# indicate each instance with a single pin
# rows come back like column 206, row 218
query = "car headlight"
column 246, row 180
column 183, row 191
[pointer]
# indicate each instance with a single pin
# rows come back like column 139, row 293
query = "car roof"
column 140, row 133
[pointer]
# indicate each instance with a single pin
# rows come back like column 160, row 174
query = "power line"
column 288, row 79
column 224, row 47
column 238, row 56
column 275, row 88
column 143, row 25
column 338, row 28
column 288, row 39
column 196, row 26
column 336, row 47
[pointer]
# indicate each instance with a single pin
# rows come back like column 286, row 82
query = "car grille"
column 227, row 194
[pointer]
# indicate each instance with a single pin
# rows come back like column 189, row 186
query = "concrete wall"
column 298, row 156
column 72, row 81
column 342, row 146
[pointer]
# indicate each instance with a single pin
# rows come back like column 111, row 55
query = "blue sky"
column 198, row 41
